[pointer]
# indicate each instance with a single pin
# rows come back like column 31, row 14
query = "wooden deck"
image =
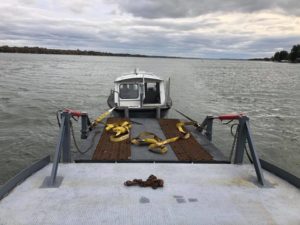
column 107, row 150
column 185, row 150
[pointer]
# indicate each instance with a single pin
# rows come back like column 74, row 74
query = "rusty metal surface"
column 108, row 150
column 185, row 150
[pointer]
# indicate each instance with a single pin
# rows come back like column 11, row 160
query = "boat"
column 140, row 94
column 130, row 169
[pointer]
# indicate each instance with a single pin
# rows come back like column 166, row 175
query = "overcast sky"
column 188, row 28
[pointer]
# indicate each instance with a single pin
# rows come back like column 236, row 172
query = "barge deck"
column 107, row 150
column 194, row 149
column 185, row 150
column 94, row 193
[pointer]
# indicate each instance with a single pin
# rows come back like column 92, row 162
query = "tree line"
column 38, row 50
column 292, row 56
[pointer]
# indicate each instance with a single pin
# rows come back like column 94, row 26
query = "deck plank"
column 107, row 150
column 185, row 150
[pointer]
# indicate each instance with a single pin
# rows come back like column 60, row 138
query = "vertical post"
column 241, row 140
column 143, row 87
column 141, row 100
column 209, row 125
column 126, row 112
column 254, row 155
column 57, row 152
column 158, row 113
column 84, row 125
column 168, row 86
column 66, row 156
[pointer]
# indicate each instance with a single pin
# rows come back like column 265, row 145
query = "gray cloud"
column 193, row 8
column 141, row 39
column 215, row 35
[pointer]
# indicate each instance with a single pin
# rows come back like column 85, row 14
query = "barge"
column 198, row 184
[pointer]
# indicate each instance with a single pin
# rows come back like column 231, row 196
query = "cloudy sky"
column 188, row 28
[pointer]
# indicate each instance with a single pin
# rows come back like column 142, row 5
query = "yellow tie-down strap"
column 158, row 145
column 155, row 144
column 101, row 118
column 121, row 130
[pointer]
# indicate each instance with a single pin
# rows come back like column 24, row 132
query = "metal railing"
column 244, row 136
column 63, row 146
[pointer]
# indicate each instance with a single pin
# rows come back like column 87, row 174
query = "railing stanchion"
column 255, row 158
column 241, row 141
column 57, row 154
column 244, row 136
column 63, row 146
column 66, row 156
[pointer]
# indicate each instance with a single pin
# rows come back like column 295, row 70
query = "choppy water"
column 34, row 87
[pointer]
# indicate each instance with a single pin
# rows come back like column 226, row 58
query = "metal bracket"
column 244, row 136
column 63, row 144
column 241, row 140
column 47, row 182
column 254, row 156
column 207, row 125
column 244, row 133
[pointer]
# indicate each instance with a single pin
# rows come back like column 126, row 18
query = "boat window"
column 129, row 91
column 152, row 93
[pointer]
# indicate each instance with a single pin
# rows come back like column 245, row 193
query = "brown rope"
column 152, row 181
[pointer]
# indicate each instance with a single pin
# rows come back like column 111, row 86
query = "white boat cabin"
column 140, row 90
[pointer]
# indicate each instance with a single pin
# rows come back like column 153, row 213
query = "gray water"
column 34, row 87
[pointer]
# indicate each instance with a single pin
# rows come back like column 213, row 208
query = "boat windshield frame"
column 129, row 98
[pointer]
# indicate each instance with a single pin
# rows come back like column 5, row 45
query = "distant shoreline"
column 49, row 51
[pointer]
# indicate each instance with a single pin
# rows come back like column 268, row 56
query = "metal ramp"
column 193, row 194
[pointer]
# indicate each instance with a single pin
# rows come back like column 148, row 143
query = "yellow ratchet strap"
column 101, row 117
column 156, row 144
column 121, row 131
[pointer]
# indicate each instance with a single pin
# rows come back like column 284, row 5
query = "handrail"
column 63, row 146
column 57, row 155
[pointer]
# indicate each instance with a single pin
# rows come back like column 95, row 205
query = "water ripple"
column 34, row 87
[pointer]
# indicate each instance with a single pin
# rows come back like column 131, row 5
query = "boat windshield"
column 129, row 91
